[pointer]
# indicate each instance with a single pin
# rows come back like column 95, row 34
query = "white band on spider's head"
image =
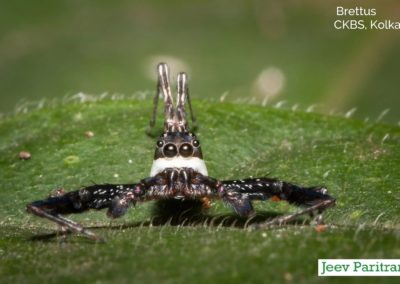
column 195, row 163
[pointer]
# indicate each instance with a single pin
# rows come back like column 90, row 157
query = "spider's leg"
column 206, row 188
column 65, row 223
column 163, row 87
column 318, row 207
column 192, row 117
column 182, row 97
column 240, row 193
column 116, row 197
column 239, row 201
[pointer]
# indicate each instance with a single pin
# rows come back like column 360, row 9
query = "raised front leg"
column 116, row 197
column 174, row 119
column 240, row 193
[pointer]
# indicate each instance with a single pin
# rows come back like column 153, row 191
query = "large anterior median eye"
column 186, row 150
column 170, row 150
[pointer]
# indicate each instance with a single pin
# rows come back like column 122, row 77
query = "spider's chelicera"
column 179, row 172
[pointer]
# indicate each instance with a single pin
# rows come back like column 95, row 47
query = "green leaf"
column 357, row 161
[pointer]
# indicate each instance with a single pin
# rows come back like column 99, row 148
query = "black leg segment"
column 240, row 193
column 116, row 197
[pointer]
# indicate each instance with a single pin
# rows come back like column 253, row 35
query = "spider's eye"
column 196, row 143
column 160, row 144
column 186, row 150
column 170, row 150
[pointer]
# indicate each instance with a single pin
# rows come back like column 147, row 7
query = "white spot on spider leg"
column 161, row 164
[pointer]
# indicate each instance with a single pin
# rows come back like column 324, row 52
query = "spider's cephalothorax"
column 179, row 172
column 178, row 150
column 177, row 147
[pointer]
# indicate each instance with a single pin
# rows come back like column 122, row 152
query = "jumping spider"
column 178, row 172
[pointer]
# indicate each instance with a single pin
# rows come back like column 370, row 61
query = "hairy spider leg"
column 116, row 197
column 163, row 86
column 240, row 193
column 174, row 119
column 182, row 97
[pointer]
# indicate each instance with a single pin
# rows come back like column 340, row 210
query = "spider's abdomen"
column 194, row 163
